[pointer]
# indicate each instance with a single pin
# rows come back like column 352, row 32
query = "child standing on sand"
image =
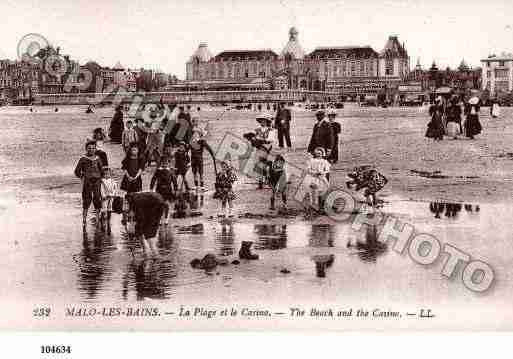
column 129, row 136
column 278, row 179
column 108, row 190
column 133, row 167
column 224, row 187
column 164, row 182
column 319, row 168
column 182, row 163
column 89, row 170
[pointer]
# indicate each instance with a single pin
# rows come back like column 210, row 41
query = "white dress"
column 319, row 168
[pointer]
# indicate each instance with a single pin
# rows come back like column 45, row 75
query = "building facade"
column 497, row 74
column 460, row 80
column 347, row 70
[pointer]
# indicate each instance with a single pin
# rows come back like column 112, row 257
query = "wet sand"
column 47, row 258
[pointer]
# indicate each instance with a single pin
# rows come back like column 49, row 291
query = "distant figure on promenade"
column 453, row 113
column 495, row 109
column 89, row 109
column 322, row 135
column 335, row 127
column 472, row 124
column 435, row 128
column 282, row 125
column 148, row 208
column 116, row 126
column 89, row 169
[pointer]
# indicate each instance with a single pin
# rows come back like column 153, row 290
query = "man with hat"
column 322, row 135
column 282, row 124
column 335, row 127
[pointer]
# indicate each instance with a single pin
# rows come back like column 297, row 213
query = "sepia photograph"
column 235, row 165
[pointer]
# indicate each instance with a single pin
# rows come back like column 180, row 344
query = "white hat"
column 332, row 112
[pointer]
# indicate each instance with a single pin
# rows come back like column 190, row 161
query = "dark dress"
column 148, row 208
column 103, row 157
column 165, row 182
column 132, row 166
column 322, row 136
column 336, row 128
column 436, row 128
column 116, row 127
column 472, row 124
column 224, row 186
column 454, row 114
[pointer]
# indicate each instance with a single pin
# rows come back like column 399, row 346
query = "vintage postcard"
column 244, row 165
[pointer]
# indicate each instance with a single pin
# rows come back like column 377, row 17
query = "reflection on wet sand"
column 271, row 236
column 323, row 262
column 369, row 249
column 94, row 263
column 225, row 239
column 322, row 235
column 450, row 210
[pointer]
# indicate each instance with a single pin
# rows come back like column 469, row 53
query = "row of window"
column 353, row 68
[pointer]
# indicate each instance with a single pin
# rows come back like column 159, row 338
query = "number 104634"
column 55, row 349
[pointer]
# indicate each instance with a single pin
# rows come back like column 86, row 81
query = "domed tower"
column 394, row 60
column 293, row 49
column 198, row 59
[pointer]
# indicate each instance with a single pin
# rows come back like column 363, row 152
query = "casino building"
column 347, row 70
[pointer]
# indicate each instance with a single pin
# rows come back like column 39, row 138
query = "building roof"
column 202, row 53
column 463, row 66
column 242, row 55
column 293, row 47
column 393, row 48
column 118, row 66
column 343, row 52
column 502, row 57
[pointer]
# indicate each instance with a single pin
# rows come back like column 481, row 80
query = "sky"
column 163, row 34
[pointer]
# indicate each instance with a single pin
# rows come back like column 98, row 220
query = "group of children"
column 169, row 178
column 319, row 167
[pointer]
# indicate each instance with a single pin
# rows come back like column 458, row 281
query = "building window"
column 389, row 67
column 501, row 63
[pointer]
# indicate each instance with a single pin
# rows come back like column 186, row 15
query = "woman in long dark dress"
column 335, row 126
column 436, row 128
column 117, row 126
column 472, row 124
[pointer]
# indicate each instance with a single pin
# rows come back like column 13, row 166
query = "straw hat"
column 264, row 117
column 332, row 112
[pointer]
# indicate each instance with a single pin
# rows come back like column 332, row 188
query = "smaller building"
column 497, row 76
